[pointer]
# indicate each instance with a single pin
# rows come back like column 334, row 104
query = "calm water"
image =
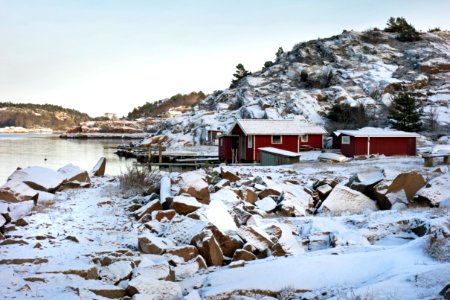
column 22, row 150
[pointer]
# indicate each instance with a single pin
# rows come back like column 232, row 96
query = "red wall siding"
column 225, row 149
column 393, row 146
column 289, row 142
column 348, row 149
column 380, row 145
column 314, row 140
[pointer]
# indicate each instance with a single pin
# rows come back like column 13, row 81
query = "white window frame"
column 250, row 141
column 304, row 138
column 345, row 140
column 281, row 140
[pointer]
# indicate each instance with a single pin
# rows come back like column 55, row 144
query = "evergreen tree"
column 405, row 113
column 241, row 72
column 279, row 53
column 407, row 32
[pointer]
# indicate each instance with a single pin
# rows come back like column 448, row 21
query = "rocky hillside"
column 355, row 68
column 160, row 107
column 32, row 116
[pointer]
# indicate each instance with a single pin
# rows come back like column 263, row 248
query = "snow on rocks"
column 150, row 288
column 151, row 244
column 194, row 184
column 436, row 191
column 185, row 204
column 99, row 168
column 345, row 200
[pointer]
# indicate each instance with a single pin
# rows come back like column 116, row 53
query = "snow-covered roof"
column 376, row 132
column 277, row 127
column 280, row 151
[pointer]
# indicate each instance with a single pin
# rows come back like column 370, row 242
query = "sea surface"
column 48, row 150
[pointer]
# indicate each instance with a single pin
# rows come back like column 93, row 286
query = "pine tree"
column 241, row 72
column 405, row 113
column 279, row 53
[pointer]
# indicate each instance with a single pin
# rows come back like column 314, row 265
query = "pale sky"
column 102, row 56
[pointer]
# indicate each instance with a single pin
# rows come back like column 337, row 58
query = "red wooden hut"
column 246, row 136
column 368, row 141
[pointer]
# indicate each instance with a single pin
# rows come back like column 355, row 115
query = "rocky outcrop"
column 185, row 204
column 99, row 168
column 435, row 192
column 343, row 199
column 151, row 244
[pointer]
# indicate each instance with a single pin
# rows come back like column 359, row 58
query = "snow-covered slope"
column 355, row 68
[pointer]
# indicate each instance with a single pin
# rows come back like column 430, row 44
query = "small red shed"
column 246, row 136
column 368, row 141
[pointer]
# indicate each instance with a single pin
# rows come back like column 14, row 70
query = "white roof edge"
column 376, row 133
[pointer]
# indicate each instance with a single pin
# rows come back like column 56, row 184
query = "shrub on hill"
column 407, row 32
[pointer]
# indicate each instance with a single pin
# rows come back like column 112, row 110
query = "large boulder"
column 218, row 214
column 242, row 254
column 187, row 252
column 409, row 182
column 117, row 271
column 148, row 208
column 38, row 178
column 17, row 191
column 99, row 168
column 151, row 244
column 266, row 204
column 255, row 237
column 343, row 199
column 249, row 195
column 436, row 191
column 155, row 289
column 228, row 243
column 229, row 176
column 185, row 204
column 209, row 248
column 182, row 229
column 365, row 182
column 74, row 176
column 194, row 184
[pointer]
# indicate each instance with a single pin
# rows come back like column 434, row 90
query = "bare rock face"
column 248, row 195
column 99, row 168
column 255, row 237
column 269, row 192
column 187, row 252
column 17, row 191
column 155, row 289
column 410, row 183
column 209, row 248
column 436, row 192
column 228, row 243
column 161, row 215
column 242, row 254
column 148, row 208
column 229, row 176
column 185, row 204
column 151, row 244
column 343, row 199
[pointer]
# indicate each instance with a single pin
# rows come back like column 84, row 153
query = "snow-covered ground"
column 84, row 243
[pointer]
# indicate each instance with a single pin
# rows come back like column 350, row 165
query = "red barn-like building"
column 246, row 136
column 368, row 141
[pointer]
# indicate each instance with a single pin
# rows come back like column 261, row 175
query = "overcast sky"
column 102, row 56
